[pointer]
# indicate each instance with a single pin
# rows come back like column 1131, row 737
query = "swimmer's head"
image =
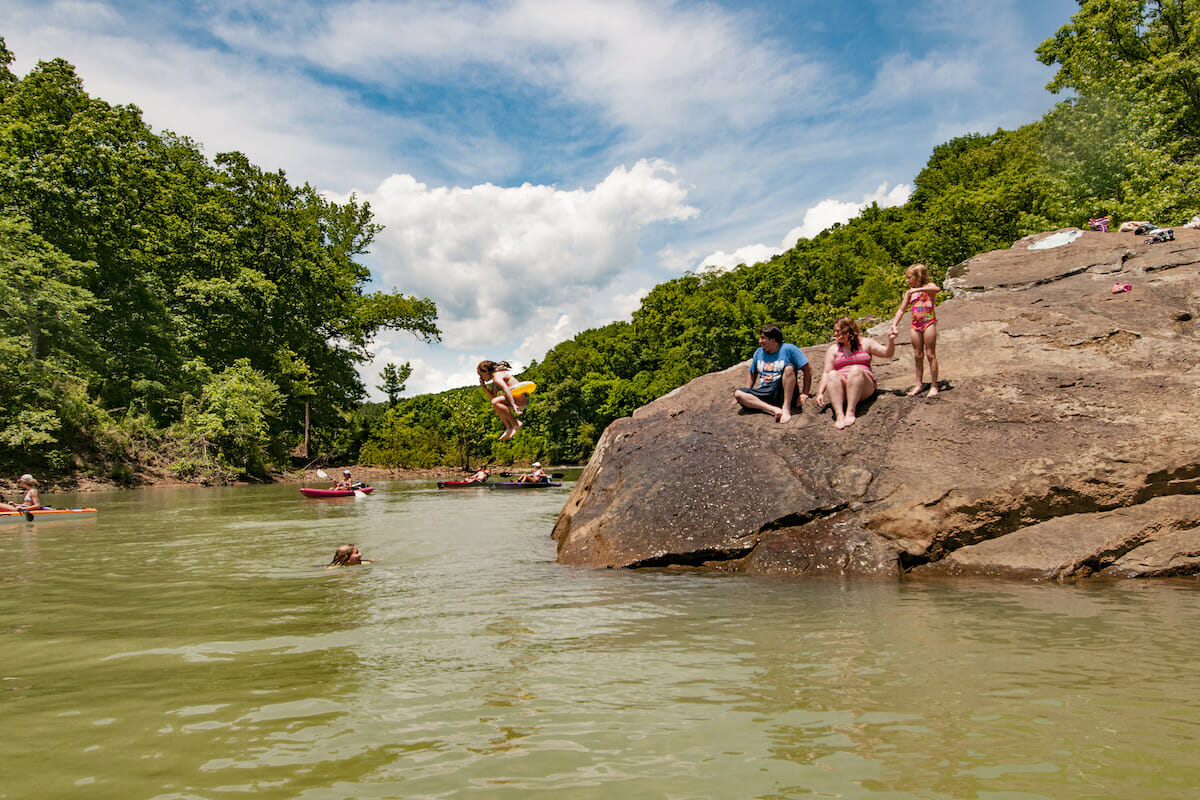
column 346, row 555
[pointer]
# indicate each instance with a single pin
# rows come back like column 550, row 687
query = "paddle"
column 28, row 514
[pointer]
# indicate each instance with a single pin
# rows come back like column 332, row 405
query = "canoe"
column 497, row 485
column 47, row 514
column 334, row 492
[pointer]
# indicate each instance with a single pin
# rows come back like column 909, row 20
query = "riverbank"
column 149, row 479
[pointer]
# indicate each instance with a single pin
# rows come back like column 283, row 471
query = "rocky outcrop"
column 1065, row 442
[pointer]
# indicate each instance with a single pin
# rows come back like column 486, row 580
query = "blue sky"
column 539, row 165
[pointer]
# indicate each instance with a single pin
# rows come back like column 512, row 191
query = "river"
column 188, row 643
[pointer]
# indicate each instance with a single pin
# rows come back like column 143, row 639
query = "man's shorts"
column 772, row 394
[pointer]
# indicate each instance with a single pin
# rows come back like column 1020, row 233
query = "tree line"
column 157, row 306
column 1124, row 142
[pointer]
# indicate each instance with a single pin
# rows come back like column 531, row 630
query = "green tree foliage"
column 394, row 378
column 44, row 349
column 232, row 419
column 1127, row 143
column 133, row 257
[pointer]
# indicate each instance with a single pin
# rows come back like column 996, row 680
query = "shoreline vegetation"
column 300, row 477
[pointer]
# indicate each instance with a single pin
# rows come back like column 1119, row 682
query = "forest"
column 204, row 318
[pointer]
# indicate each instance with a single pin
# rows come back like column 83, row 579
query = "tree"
column 233, row 415
column 393, row 380
column 1129, row 141
column 469, row 425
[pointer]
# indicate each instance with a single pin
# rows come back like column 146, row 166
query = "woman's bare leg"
column 859, row 386
column 837, row 398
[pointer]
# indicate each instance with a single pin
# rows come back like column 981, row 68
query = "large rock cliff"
column 1065, row 442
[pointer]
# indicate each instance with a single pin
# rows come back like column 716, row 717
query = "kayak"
column 519, row 485
column 499, row 485
column 46, row 514
column 334, row 492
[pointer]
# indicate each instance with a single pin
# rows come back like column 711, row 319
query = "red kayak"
column 334, row 492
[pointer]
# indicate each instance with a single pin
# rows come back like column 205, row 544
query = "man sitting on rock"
column 773, row 375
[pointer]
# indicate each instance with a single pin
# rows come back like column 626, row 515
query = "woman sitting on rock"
column 848, row 376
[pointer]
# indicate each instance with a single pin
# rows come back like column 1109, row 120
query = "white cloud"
column 824, row 214
column 829, row 212
column 534, row 264
column 749, row 254
column 647, row 64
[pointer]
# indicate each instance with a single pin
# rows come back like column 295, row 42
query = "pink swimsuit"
column 922, row 311
column 859, row 358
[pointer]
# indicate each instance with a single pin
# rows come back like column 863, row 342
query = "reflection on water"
column 190, row 644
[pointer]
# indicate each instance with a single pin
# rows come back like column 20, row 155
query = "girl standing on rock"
column 919, row 300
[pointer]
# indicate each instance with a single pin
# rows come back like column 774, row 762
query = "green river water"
column 186, row 643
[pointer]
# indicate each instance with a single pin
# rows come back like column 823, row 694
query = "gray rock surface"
column 1064, row 443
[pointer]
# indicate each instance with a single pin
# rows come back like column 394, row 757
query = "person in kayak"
column 345, row 482
column 31, row 501
column 348, row 555
column 481, row 475
column 507, row 406
column 537, row 476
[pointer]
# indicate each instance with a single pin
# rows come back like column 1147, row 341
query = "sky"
column 539, row 165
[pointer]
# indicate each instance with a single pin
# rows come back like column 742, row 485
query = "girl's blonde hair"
column 918, row 271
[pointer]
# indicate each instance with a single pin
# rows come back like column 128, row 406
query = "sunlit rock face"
column 1065, row 442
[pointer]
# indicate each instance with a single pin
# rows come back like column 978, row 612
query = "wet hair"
column 341, row 556
column 28, row 479
column 918, row 271
column 493, row 366
column 848, row 324
column 771, row 332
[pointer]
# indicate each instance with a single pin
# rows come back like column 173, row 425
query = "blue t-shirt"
column 768, row 367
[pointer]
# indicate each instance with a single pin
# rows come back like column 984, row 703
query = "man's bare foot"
column 841, row 423
column 504, row 437
column 913, row 392
column 784, row 415
column 933, row 391
column 515, row 429
column 849, row 420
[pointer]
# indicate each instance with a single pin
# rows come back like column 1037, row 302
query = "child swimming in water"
column 348, row 555
column 919, row 300
column 507, row 406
